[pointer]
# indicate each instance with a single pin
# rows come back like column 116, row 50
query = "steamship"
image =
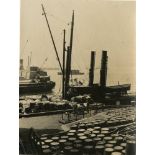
column 35, row 80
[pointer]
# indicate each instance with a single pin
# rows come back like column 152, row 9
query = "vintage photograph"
column 77, row 77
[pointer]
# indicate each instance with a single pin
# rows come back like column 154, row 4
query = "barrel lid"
column 87, row 132
column 81, row 130
column 68, row 147
column 116, row 153
column 43, row 138
column 104, row 132
column 88, row 147
column 112, row 141
column 90, row 129
column 118, row 148
column 97, row 128
column 96, row 132
column 62, row 140
column 101, row 135
column 74, row 150
column 78, row 145
column 119, row 138
column 123, row 144
column 54, row 144
column 99, row 147
column 131, row 142
column 72, row 131
column 64, row 137
column 68, row 144
column 48, row 141
column 78, row 141
column 45, row 146
column 108, row 145
column 80, row 134
column 88, row 140
column 105, row 129
column 92, row 135
column 109, row 149
column 107, row 138
column 46, row 151
column 55, row 148
column 55, row 138
column 114, row 135
column 100, row 143
column 70, row 134
column 82, row 137
column 72, row 139
column 123, row 151
column 97, row 139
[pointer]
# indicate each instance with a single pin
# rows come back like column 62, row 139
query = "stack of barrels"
column 92, row 138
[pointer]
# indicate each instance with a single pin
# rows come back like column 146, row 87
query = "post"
column 63, row 75
column 103, row 71
column 91, row 70
column 67, row 70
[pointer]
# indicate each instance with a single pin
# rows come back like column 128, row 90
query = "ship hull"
column 31, row 88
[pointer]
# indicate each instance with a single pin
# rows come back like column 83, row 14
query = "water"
column 112, row 78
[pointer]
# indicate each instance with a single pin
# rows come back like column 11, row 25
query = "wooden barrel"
column 62, row 142
column 108, row 151
column 114, row 142
column 101, row 136
column 118, row 148
column 88, row 150
column 119, row 140
column 88, row 141
column 96, row 139
column 123, row 152
column 100, row 142
column 97, row 128
column 123, row 145
column 67, row 150
column 99, row 150
column 74, row 127
column 131, row 147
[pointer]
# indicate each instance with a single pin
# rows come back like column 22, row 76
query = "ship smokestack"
column 103, row 71
column 91, row 70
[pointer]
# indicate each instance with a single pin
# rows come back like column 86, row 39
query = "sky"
column 99, row 25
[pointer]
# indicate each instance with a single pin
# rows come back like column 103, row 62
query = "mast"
column 71, row 44
column 63, row 76
column 52, row 38
column 67, row 70
column 68, row 60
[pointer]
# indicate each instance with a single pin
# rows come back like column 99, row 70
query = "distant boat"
column 73, row 72
column 38, row 81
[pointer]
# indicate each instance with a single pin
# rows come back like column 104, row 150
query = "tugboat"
column 37, row 82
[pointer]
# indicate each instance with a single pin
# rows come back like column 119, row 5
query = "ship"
column 37, row 82
column 73, row 72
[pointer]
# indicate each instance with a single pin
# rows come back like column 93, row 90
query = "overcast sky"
column 99, row 25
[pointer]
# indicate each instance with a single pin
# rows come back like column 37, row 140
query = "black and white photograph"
column 77, row 77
